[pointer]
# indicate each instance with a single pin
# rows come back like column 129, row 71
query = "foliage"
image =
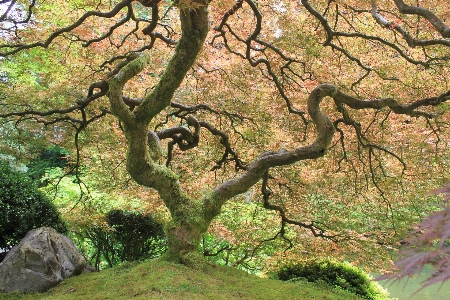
column 23, row 207
column 158, row 280
column 47, row 159
column 427, row 245
column 93, row 228
column 129, row 236
column 337, row 274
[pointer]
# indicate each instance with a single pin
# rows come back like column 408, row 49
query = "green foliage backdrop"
column 23, row 207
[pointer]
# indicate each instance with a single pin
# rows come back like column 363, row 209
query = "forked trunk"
column 188, row 223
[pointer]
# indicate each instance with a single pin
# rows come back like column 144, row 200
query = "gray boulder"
column 41, row 260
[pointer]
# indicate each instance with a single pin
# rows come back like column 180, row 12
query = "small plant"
column 341, row 275
column 22, row 208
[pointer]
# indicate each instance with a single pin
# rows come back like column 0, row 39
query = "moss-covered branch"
column 195, row 26
column 140, row 164
column 256, row 170
column 325, row 131
column 117, row 82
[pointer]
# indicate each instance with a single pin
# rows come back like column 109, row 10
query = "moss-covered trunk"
column 183, row 241
column 188, row 223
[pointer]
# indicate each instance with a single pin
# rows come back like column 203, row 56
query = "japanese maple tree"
column 188, row 71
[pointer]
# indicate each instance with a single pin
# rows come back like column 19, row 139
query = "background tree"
column 174, row 71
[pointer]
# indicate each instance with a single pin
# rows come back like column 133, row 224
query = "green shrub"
column 130, row 236
column 22, row 208
column 341, row 275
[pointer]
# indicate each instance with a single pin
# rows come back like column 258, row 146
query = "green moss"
column 195, row 260
column 162, row 280
column 132, row 68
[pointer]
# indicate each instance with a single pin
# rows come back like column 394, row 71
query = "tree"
column 292, row 49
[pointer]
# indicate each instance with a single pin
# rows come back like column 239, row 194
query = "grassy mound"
column 161, row 280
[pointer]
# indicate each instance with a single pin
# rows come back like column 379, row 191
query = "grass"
column 162, row 280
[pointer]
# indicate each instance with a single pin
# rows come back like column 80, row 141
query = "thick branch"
column 412, row 42
column 423, row 12
column 410, row 109
column 256, row 170
column 194, row 30
column 325, row 131
column 117, row 82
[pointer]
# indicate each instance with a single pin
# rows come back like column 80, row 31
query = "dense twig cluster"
column 253, row 45
column 67, row 32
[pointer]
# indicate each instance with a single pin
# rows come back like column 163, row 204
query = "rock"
column 41, row 260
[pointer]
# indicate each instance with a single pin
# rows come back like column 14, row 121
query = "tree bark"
column 191, row 217
column 187, row 226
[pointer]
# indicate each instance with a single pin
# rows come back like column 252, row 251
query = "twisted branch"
column 412, row 42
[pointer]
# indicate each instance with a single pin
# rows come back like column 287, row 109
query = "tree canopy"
column 331, row 114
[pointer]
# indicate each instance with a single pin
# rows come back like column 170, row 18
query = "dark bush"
column 130, row 236
column 337, row 274
column 22, row 208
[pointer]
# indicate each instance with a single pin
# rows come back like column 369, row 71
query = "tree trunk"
column 185, row 231
column 191, row 217
column 188, row 223
column 183, row 241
